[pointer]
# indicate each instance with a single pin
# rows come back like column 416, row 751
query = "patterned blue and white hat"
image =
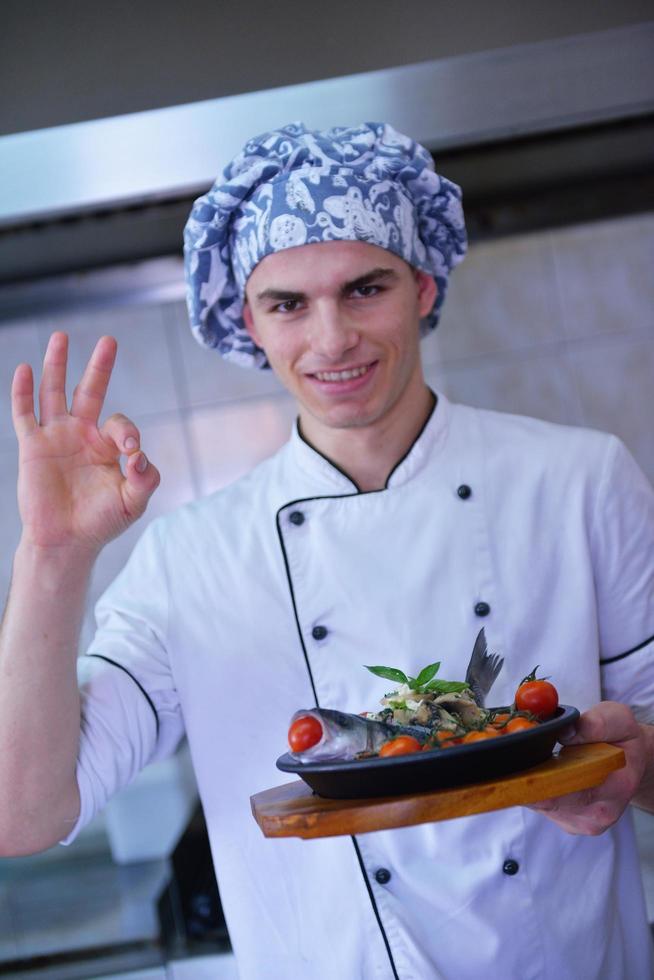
column 295, row 186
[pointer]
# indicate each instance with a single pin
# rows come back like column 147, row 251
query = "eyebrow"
column 289, row 295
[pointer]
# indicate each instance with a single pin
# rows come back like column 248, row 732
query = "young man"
column 388, row 529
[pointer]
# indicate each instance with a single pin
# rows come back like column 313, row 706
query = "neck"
column 368, row 454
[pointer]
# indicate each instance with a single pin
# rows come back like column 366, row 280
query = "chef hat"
column 295, row 186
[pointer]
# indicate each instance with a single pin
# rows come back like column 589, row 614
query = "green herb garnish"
column 424, row 682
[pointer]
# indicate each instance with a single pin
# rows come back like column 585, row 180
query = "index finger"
column 89, row 395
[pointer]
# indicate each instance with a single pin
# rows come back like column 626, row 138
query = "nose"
column 332, row 333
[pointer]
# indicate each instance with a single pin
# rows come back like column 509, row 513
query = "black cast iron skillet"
column 420, row 772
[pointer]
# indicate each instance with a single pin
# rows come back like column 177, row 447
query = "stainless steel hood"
column 501, row 122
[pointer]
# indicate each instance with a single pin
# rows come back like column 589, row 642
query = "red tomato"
column 402, row 745
column 538, row 697
column 304, row 733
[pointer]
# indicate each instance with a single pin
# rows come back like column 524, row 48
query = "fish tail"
column 483, row 669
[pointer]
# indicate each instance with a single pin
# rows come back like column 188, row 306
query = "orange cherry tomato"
column 480, row 736
column 445, row 736
column 518, row 724
column 304, row 733
column 402, row 745
column 441, row 739
column 500, row 719
column 539, row 697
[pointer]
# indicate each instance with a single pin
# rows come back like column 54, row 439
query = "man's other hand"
column 593, row 811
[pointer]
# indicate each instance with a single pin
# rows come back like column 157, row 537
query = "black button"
column 464, row 491
column 296, row 517
column 319, row 632
column 383, row 876
column 482, row 609
column 510, row 867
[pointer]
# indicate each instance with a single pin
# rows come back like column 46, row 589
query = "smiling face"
column 339, row 322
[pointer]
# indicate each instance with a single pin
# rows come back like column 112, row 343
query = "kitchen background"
column 551, row 315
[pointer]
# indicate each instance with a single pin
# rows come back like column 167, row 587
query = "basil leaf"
column 446, row 687
column 390, row 673
column 427, row 674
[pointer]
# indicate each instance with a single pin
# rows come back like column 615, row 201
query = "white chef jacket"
column 209, row 630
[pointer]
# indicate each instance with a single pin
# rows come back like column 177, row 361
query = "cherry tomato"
column 480, row 736
column 304, row 733
column 402, row 745
column 449, row 742
column 537, row 696
column 518, row 724
column 501, row 719
column 441, row 739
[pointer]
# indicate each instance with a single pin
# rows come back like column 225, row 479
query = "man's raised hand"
column 72, row 492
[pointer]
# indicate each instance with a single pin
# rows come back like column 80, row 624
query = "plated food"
column 429, row 734
column 423, row 713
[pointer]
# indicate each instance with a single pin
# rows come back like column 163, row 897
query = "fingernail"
column 141, row 463
column 130, row 443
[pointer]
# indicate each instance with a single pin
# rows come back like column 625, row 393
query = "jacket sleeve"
column 130, row 710
column 623, row 558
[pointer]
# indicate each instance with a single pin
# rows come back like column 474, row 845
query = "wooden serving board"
column 293, row 810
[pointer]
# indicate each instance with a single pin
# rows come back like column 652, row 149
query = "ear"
column 248, row 320
column 427, row 292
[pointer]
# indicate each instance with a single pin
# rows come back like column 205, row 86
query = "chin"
column 344, row 418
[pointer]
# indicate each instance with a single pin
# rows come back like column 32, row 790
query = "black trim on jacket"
column 627, row 653
column 138, row 684
column 341, row 496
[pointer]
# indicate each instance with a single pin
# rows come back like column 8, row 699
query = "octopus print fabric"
column 295, row 186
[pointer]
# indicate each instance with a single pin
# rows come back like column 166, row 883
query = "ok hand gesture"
column 72, row 493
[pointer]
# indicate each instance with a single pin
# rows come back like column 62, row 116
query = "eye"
column 364, row 292
column 287, row 306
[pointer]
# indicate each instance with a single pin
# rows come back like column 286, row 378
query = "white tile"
column 19, row 341
column 541, row 385
column 605, row 276
column 142, row 382
column 228, row 440
column 615, row 380
column 503, row 299
column 207, row 377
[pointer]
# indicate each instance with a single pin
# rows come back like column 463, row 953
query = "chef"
column 390, row 527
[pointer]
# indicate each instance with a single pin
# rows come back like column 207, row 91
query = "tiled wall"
column 558, row 324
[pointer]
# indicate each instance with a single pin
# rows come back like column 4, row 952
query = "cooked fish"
column 483, row 669
column 345, row 736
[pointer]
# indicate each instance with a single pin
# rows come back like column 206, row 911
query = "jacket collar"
column 329, row 479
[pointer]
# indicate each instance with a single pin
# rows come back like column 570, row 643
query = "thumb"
column 141, row 480
column 605, row 722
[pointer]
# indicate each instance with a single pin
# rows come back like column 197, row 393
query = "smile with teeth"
column 347, row 375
